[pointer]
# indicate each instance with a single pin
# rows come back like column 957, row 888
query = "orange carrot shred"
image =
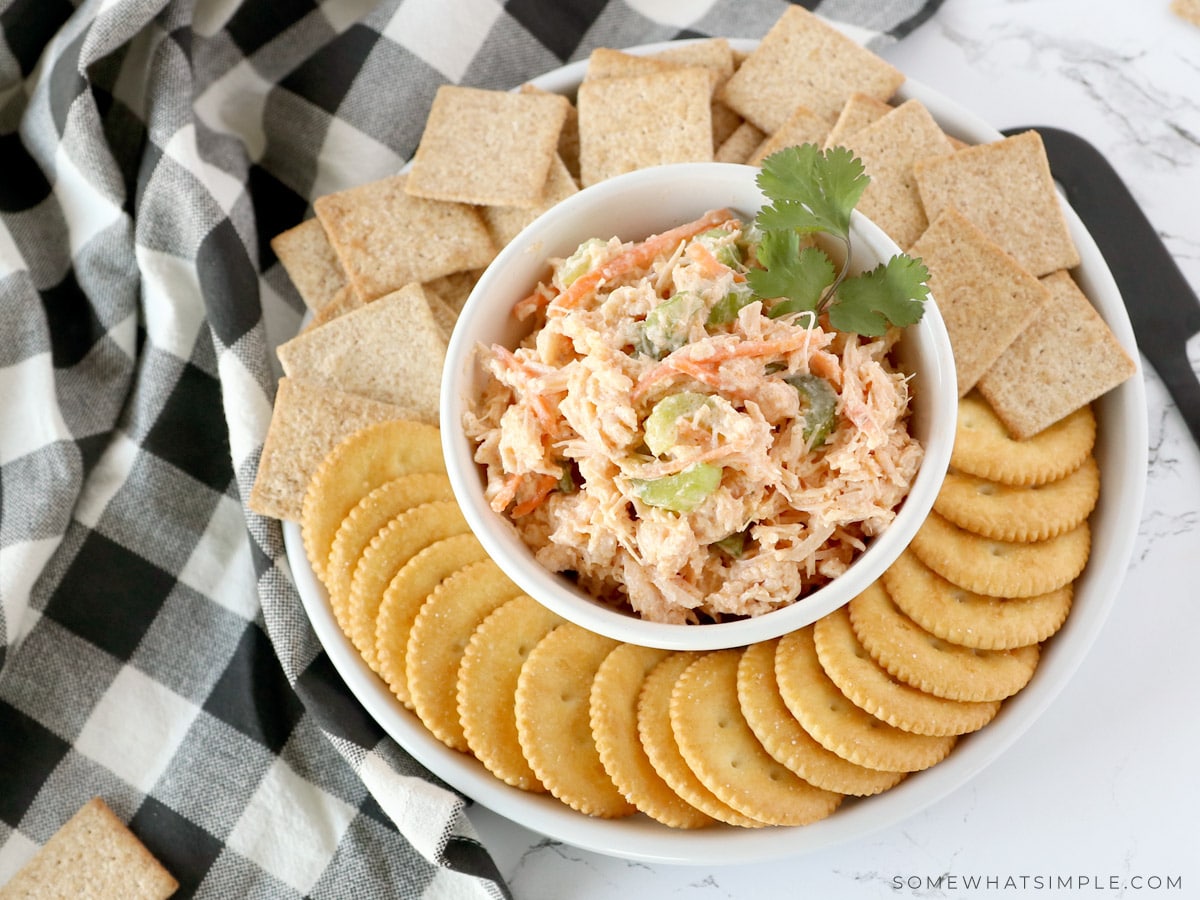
column 545, row 484
column 637, row 256
column 506, row 494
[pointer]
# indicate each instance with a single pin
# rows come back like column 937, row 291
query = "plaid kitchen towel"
column 153, row 649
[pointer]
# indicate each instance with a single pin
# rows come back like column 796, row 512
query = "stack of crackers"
column 775, row 733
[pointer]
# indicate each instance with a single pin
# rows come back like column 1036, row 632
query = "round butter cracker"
column 720, row 747
column 963, row 617
column 1001, row 568
column 554, row 720
column 1005, row 512
column 613, row 704
column 395, row 544
column 367, row 519
column 487, row 687
column 839, row 725
column 438, row 640
column 785, row 738
column 928, row 663
column 983, row 447
column 404, row 596
column 360, row 463
column 869, row 686
column 658, row 740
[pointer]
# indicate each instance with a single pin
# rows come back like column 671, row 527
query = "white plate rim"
column 641, row 839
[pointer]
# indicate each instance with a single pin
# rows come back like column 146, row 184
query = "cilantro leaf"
column 811, row 190
column 798, row 276
column 893, row 292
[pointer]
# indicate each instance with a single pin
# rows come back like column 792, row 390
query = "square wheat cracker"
column 1069, row 358
column 445, row 315
column 308, row 421
column 94, row 856
column 605, row 62
column 711, row 53
column 803, row 126
column 646, row 120
column 859, row 112
column 804, row 61
column 568, row 138
column 740, row 146
column 386, row 238
column 1005, row 188
column 985, row 297
column 306, row 255
column 889, row 149
column 724, row 123
column 455, row 288
column 341, row 303
column 505, row 222
column 390, row 350
column 487, row 148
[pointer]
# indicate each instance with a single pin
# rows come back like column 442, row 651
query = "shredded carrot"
column 742, row 349
column 523, row 309
column 545, row 484
column 512, row 361
column 637, row 256
column 704, row 369
column 680, row 366
column 506, row 494
column 545, row 415
column 710, row 266
column 826, row 365
column 530, row 369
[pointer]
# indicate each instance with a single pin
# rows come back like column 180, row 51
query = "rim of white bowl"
column 527, row 253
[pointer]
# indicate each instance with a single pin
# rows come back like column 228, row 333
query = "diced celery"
column 682, row 492
column 666, row 326
column 661, row 426
column 727, row 308
column 566, row 482
column 735, row 544
column 579, row 262
column 727, row 252
column 818, row 403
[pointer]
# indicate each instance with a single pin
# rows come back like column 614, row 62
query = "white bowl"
column 632, row 207
column 1121, row 451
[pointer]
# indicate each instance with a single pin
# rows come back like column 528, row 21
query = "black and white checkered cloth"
column 153, row 650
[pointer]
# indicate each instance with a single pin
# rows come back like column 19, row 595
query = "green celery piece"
column 735, row 544
column 893, row 292
column 818, row 402
column 660, row 425
column 682, row 492
column 666, row 326
column 579, row 262
column 727, row 308
column 728, row 253
column 566, row 482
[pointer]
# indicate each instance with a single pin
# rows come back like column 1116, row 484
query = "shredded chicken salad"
column 675, row 446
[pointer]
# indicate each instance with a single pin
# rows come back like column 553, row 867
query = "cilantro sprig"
column 813, row 192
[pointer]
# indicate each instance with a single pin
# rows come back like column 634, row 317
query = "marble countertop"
column 1102, row 793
